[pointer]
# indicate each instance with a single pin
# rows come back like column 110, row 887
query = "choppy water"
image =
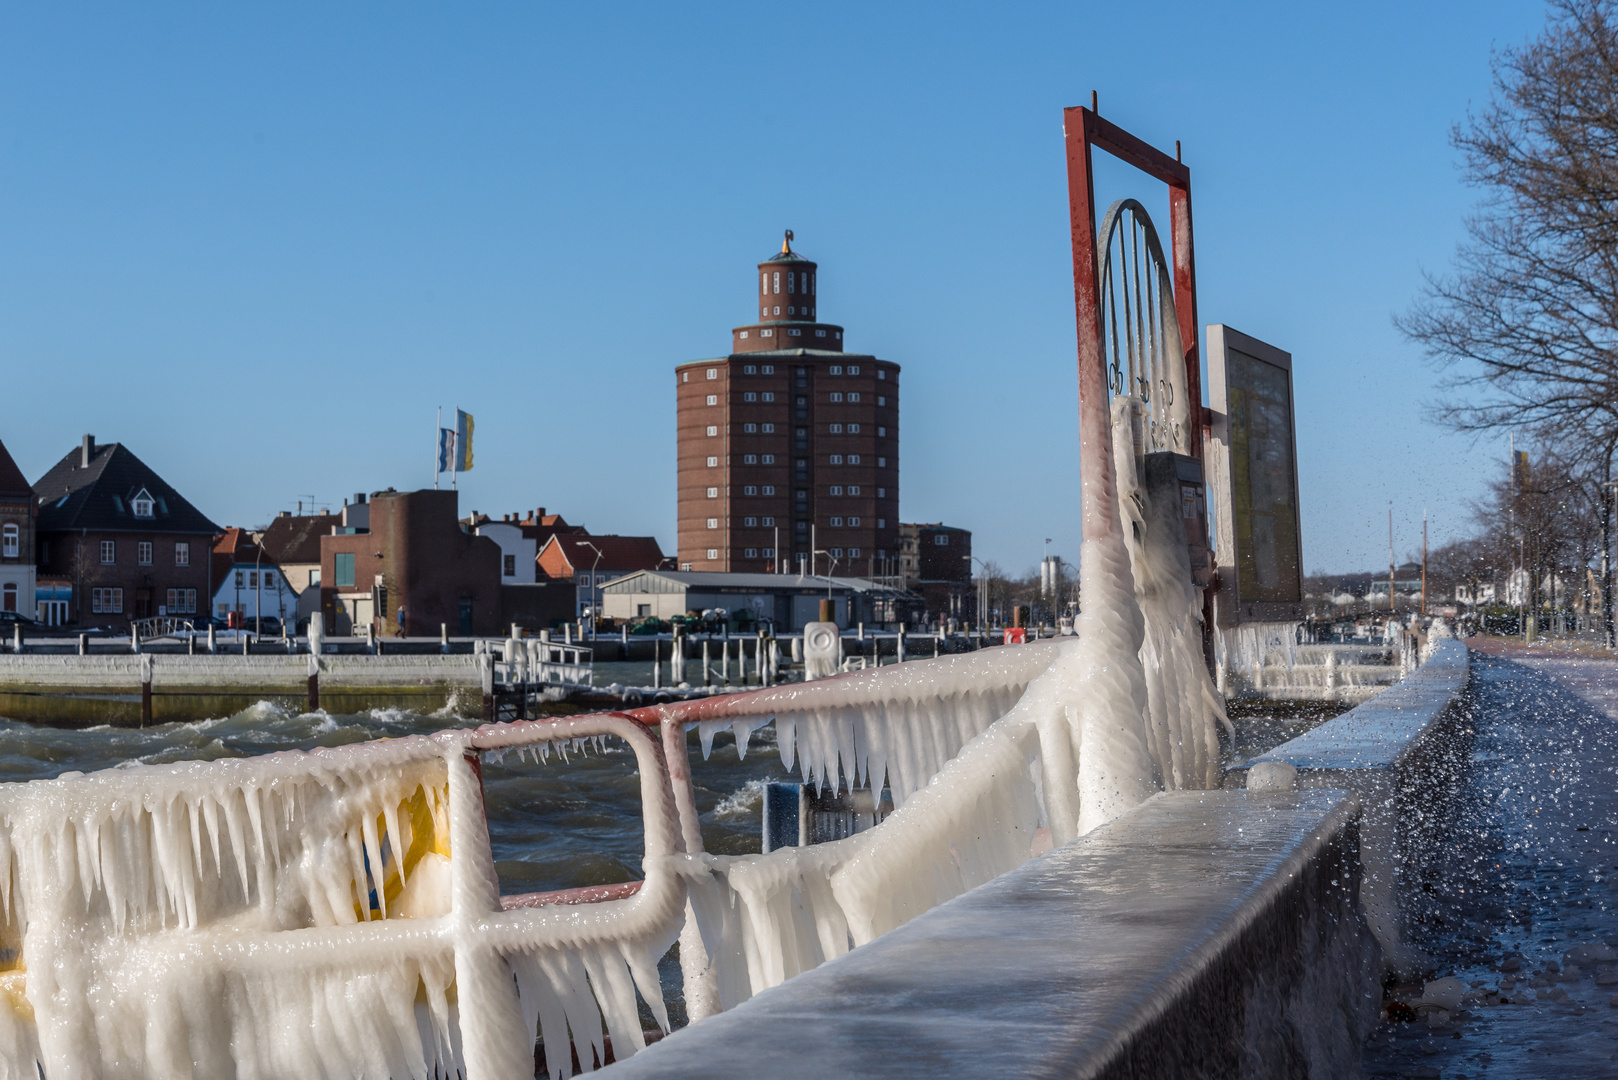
column 552, row 826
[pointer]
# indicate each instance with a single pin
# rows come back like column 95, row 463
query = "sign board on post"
column 1254, row 469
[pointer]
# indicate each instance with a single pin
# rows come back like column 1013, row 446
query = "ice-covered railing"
column 330, row 913
column 1008, row 795
column 904, row 721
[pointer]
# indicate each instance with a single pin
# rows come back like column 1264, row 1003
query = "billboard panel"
column 1254, row 471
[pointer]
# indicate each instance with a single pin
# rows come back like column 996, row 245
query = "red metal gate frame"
column 1084, row 129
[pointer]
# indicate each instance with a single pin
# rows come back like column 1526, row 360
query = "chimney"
column 87, row 451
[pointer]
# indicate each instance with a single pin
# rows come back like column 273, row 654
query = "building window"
column 109, row 552
column 713, row 399
column 802, row 437
column 763, row 290
column 853, row 459
column 835, row 396
column 749, row 429
column 853, row 429
column 749, row 369
column 837, row 459
column 713, row 523
column 769, row 333
column 836, row 429
column 854, row 489
column 881, row 432
column 803, row 465
column 854, row 396
column 769, row 429
column 794, row 333
column 713, row 553
column 837, row 489
column 836, row 369
column 769, row 459
column 853, row 523
column 769, row 523
column 768, row 369
column 107, row 601
column 509, row 565
column 837, row 523
column 853, row 553
column 712, row 430
column 749, row 490
column 241, row 579
column 882, row 463
column 769, row 489
column 769, row 553
column 882, row 523
column 778, row 281
column 713, row 373
column 752, row 553
column 749, row 459
column 713, row 493
column 713, row 463
column 749, row 396
column 882, row 493
column 792, row 282
column 881, row 399
column 252, row 579
column 750, row 522
column 853, row 369
column 269, row 579
column 143, row 553
column 881, row 374
column 182, row 602
column 768, row 396
column 820, row 333
column 803, row 526
column 10, row 541
column 182, row 554
column 344, row 570
column 802, row 405
column 941, row 539
column 837, row 553
column 685, row 376
column 803, row 495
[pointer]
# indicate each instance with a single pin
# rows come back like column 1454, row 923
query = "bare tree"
column 1526, row 325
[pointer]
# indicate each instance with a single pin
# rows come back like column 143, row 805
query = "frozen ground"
column 1531, row 871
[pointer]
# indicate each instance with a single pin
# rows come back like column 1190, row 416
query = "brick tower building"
column 789, row 443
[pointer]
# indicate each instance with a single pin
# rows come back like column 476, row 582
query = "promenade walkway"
column 1532, row 870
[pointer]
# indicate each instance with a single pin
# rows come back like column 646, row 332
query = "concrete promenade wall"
column 105, row 688
column 1201, row 934
column 1402, row 753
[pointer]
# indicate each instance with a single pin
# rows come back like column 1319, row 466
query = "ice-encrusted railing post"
column 493, row 1045
column 696, row 972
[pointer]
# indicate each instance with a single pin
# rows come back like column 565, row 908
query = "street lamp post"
column 983, row 590
column 595, row 605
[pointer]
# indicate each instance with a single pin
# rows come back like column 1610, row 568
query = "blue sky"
column 260, row 244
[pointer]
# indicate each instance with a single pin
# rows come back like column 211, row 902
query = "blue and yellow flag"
column 463, row 441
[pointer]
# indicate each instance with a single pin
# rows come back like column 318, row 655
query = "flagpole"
column 437, row 428
column 455, row 471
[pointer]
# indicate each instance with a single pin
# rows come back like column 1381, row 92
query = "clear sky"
column 260, row 244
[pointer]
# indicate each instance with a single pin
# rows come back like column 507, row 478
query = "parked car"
column 8, row 619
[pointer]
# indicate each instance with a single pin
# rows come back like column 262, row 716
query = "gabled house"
column 520, row 539
column 248, row 581
column 16, row 538
column 592, row 561
column 131, row 546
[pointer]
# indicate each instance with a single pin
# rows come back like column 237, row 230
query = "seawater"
column 552, row 826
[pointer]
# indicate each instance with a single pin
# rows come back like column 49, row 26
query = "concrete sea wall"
column 106, row 688
column 1402, row 753
column 1201, row 934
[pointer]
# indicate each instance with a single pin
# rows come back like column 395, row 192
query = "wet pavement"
column 1520, row 906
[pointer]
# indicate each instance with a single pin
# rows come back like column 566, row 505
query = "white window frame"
column 143, row 553
column 10, row 541
column 182, row 553
column 713, row 430
column 713, row 523
column 109, row 552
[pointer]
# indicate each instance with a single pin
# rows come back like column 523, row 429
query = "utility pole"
column 1390, row 558
column 1424, row 562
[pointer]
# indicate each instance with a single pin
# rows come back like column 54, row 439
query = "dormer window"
column 143, row 504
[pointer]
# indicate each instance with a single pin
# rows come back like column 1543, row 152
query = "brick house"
column 417, row 556
column 131, row 545
column 16, row 538
column 935, row 562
